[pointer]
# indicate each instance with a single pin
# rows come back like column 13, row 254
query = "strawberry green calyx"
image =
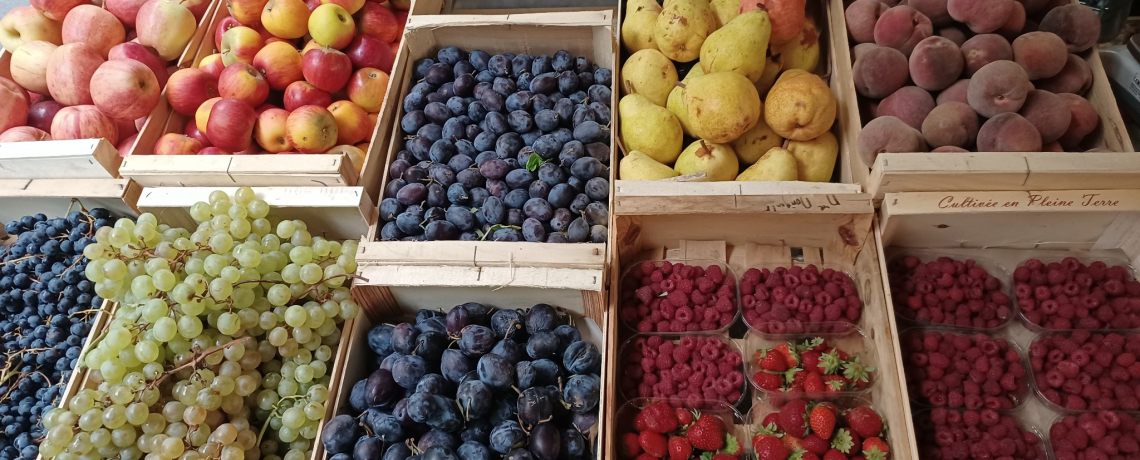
column 855, row 371
column 731, row 445
column 811, row 344
column 843, row 442
column 768, row 430
column 830, row 362
column 875, row 454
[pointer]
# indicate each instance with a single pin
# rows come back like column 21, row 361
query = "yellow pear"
column 815, row 158
column 639, row 166
column 739, row 46
column 725, row 10
column 755, row 142
column 777, row 164
column 640, row 20
column 715, row 160
column 721, row 106
column 651, row 74
column 801, row 52
column 682, row 27
column 800, row 106
column 649, row 128
column 772, row 70
column 676, row 104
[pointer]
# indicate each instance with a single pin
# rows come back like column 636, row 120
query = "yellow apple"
column 240, row 44
column 352, row 6
column 29, row 65
column 25, row 24
column 286, row 18
column 270, row 131
column 311, row 129
column 367, row 88
column 309, row 45
column 202, row 115
column 352, row 122
column 246, row 11
column 331, row 25
column 213, row 64
column 355, row 154
column 166, row 26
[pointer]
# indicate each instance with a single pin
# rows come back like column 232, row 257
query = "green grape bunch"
column 222, row 342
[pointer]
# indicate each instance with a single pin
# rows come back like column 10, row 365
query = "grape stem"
column 194, row 362
column 276, row 407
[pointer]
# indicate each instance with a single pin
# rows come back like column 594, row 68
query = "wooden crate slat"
column 68, row 159
column 55, row 196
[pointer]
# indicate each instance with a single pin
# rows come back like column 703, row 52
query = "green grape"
column 154, row 424
column 221, row 242
column 293, row 417
column 278, row 295
column 91, row 420
column 94, row 270
column 245, row 385
column 261, row 226
column 177, row 430
column 189, row 327
column 240, row 228
column 49, row 448
column 154, row 309
column 314, row 411
column 194, row 415
column 302, row 334
column 348, row 309
column 137, row 413
column 220, row 289
column 232, row 453
column 142, row 287
column 311, row 273
column 121, row 394
column 304, row 374
column 316, row 317
column 287, row 387
column 146, row 351
column 114, row 416
column 285, row 229
column 291, row 273
column 214, row 264
column 112, row 370
column 278, row 336
column 319, row 369
column 114, row 269
column 231, row 274
column 267, row 398
column 296, row 316
column 150, row 396
column 200, row 211
column 197, row 282
column 80, row 403
column 318, row 393
column 323, row 353
column 301, row 255
column 249, row 258
column 221, row 222
column 165, row 329
column 334, row 275
column 287, row 434
column 119, row 237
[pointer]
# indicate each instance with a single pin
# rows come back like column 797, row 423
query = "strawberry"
column 796, row 376
column 770, row 360
column 858, row 374
column 630, row 444
column 657, row 417
column 684, row 416
column 813, row 383
column 653, row 443
column 768, row 381
column 810, row 360
column 723, row 457
column 816, row 444
column 822, row 421
column 845, row 442
column 790, row 357
column 770, row 448
column 834, row 383
column 645, row 456
column 875, row 449
column 707, row 433
column 793, row 417
column 772, row 420
column 814, row 344
column 834, row 454
column 830, row 362
column 793, row 443
column 864, row 421
column 804, row 455
column 679, row 448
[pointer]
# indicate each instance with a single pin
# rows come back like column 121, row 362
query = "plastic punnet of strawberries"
column 694, row 371
column 675, row 297
column 803, row 430
column 812, row 367
column 1072, row 295
column 965, row 371
column 1103, row 435
column 662, row 431
column 1082, row 370
column 948, row 291
column 799, row 300
column 954, row 434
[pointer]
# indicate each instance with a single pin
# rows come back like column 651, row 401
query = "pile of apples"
column 81, row 71
column 261, row 94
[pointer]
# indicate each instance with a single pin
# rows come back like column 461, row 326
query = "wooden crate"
column 452, row 7
column 54, row 197
column 672, row 197
column 1009, row 228
column 751, row 239
column 483, row 264
column 266, row 170
column 980, row 171
column 80, row 158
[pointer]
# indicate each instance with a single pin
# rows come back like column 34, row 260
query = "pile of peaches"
column 291, row 76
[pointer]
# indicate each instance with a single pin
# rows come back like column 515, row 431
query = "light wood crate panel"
column 671, row 196
column 744, row 240
column 54, row 197
column 976, row 171
column 450, row 7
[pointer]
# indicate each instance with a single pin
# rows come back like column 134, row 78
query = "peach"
column 1077, row 25
column 1052, row 147
column 862, row 15
column 983, row 49
column 998, row 87
column 1033, row 6
column 901, row 28
column 981, row 16
column 933, row 9
column 955, row 93
column 1048, row 113
column 952, row 33
column 952, row 124
column 1084, row 121
column 1042, row 54
column 1008, row 132
column 1075, row 77
column 935, row 64
column 861, row 49
column 888, row 134
column 910, row 104
column 880, row 72
column 1015, row 24
column 950, row 149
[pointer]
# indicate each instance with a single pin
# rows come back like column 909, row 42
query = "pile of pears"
column 748, row 109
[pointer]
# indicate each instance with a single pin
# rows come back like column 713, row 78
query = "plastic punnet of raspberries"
column 799, row 300
column 659, row 432
column 692, row 371
column 1071, row 295
column 1082, row 370
column 1104, row 434
column 970, row 434
column 812, row 367
column 804, row 429
column 678, row 298
column 948, row 291
column 963, row 371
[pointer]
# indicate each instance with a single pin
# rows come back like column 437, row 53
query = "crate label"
column 804, row 203
column 1032, row 200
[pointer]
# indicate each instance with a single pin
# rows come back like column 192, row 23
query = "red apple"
column 367, row 88
column 126, row 127
column 24, row 134
column 352, row 6
column 125, row 145
column 69, row 73
column 83, row 122
column 41, row 113
column 213, row 64
column 189, row 88
column 177, row 144
column 243, row 82
column 311, row 129
column 225, row 24
column 96, row 27
column 56, row 9
column 326, row 68
column 280, row 63
column 247, row 12
column 29, row 65
column 369, row 51
column 270, row 131
column 302, row 93
column 137, row 52
column 240, row 44
column 376, row 20
column 124, row 10
column 124, row 89
column 211, row 150
column 312, row 4
column 230, row 126
column 197, row 7
column 202, row 115
column 352, row 122
column 13, row 108
column 192, row 131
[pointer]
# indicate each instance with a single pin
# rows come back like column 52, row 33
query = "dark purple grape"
column 587, row 168
column 454, row 129
column 521, row 63
column 497, row 187
column 493, row 211
column 508, row 145
column 545, row 442
column 499, row 65
column 544, row 83
column 504, row 86
column 534, row 406
column 602, row 113
column 560, row 195
column 578, row 97
column 390, row 208
column 596, row 214
column 600, row 93
column 476, row 340
column 410, row 194
column 509, row 349
column 438, row 74
column 357, row 398
column 599, row 234
column 454, row 365
column 476, row 111
column 565, row 109
column 414, row 101
column 380, row 340
column 397, row 452
column 406, row 156
column 584, row 421
column 462, row 218
column 516, row 198
column 556, row 237
column 551, row 174
column 413, row 121
column 469, row 178
column 477, row 430
column 506, row 436
column 518, row 101
column 543, row 317
column 473, row 131
column 391, row 232
column 573, row 444
column 341, row 434
column 582, row 358
column 437, row 112
column 542, row 344
column 431, row 131
column 479, row 196
column 462, row 160
column 442, row 151
column 585, row 79
column 538, row 189
column 583, row 114
column 384, row 426
column 397, row 168
column 479, row 59
column 475, row 398
column 435, row 384
column 561, row 220
column 437, row 97
column 523, row 157
column 496, row 371
column 496, row 124
column 463, row 67
column 603, row 76
column 546, row 120
column 494, row 169
column 533, row 231
column 404, row 338
column 447, row 90
column 437, row 438
column 519, row 178
column 567, row 335
column 506, row 323
column 582, row 64
column 408, row 370
column 582, row 392
column 450, row 55
column 541, row 102
column 480, row 88
column 538, row 208
column 530, row 136
column 409, row 223
column 436, row 196
column 520, row 121
column 515, row 218
column 579, row 231
column 464, row 86
column 422, row 66
column 570, row 153
column 368, row 448
column 415, row 174
column 598, row 189
column 485, row 141
column 518, row 454
column 430, row 344
column 440, row 230
column 506, row 234
column 419, row 148
column 386, row 363
column 567, row 82
column 591, row 131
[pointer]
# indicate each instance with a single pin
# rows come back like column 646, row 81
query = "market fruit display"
column 662, row 431
column 1094, row 435
column 720, row 91
column 1083, row 370
column 946, row 369
column 811, row 366
column 222, row 342
column 948, row 291
column 971, row 75
column 693, row 371
column 474, row 383
column 49, row 307
column 985, row 433
column 504, row 147
column 799, row 299
column 79, row 71
column 1073, row 295
column 820, row 430
column 678, row 298
column 266, row 91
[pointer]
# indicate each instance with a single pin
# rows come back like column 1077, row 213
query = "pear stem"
column 704, row 149
column 680, row 84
